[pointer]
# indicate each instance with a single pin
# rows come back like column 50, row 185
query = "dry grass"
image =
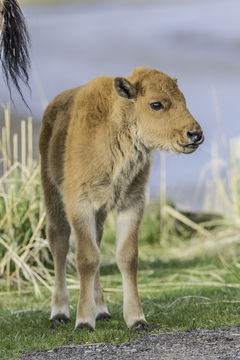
column 23, row 251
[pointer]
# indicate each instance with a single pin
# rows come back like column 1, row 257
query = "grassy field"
column 189, row 267
column 178, row 294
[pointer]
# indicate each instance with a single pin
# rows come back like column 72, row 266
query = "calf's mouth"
column 189, row 147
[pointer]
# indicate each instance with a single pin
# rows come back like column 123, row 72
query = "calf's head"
column 160, row 111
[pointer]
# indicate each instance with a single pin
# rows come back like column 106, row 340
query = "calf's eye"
column 157, row 106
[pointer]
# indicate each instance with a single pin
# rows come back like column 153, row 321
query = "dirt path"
column 200, row 344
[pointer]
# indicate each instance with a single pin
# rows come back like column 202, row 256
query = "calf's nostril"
column 195, row 136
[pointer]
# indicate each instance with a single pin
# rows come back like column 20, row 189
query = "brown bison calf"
column 96, row 144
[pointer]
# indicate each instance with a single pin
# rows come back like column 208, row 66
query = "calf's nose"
column 195, row 136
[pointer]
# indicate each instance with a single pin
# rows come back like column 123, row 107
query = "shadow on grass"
column 172, row 264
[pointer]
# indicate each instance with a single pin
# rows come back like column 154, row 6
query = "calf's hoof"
column 82, row 326
column 59, row 319
column 103, row 317
column 140, row 325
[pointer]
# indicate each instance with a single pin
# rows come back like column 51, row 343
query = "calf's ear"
column 124, row 88
column 175, row 80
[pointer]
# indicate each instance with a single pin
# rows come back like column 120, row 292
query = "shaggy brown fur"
column 96, row 143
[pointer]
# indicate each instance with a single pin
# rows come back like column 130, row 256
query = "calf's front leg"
column 128, row 222
column 88, row 258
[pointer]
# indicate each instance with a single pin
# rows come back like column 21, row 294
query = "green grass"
column 178, row 294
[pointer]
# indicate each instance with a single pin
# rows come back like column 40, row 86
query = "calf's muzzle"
column 196, row 137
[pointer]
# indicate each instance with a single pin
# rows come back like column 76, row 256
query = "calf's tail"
column 14, row 46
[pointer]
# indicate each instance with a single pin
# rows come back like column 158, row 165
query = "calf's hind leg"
column 128, row 222
column 102, row 312
column 58, row 232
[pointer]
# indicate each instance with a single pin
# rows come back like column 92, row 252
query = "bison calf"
column 96, row 144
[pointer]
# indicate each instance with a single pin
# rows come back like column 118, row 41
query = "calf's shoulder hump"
column 63, row 102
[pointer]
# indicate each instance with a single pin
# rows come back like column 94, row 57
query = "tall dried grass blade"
column 23, row 143
column 30, row 143
column 8, row 131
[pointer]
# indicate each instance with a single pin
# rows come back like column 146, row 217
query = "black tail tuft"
column 14, row 46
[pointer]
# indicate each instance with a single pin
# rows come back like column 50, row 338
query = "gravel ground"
column 197, row 344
